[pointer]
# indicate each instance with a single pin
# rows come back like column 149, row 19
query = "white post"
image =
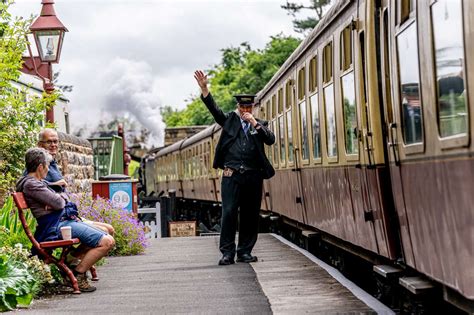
column 158, row 219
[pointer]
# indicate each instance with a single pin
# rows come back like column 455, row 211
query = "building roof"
column 35, row 83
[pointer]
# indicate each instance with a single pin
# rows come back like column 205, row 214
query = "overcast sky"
column 136, row 55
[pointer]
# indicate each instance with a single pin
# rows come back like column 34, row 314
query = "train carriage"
column 427, row 102
column 200, row 177
column 373, row 149
column 322, row 132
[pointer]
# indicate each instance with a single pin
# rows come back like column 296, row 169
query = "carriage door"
column 389, row 41
column 289, row 114
column 300, row 130
column 264, row 114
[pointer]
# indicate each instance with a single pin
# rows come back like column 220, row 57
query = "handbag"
column 70, row 212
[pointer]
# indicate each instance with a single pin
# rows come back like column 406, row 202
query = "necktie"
column 246, row 127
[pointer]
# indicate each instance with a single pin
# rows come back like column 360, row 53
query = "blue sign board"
column 121, row 195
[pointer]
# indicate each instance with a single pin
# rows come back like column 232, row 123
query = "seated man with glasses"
column 49, row 140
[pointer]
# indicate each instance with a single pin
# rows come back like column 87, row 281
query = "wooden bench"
column 45, row 249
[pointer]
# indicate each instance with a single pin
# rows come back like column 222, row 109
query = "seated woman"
column 47, row 207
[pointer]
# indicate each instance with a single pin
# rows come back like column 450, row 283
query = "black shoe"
column 247, row 258
column 226, row 260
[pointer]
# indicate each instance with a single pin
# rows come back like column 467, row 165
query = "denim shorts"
column 88, row 235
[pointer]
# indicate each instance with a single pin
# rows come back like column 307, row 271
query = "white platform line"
column 368, row 299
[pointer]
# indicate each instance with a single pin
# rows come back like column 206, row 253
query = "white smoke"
column 129, row 91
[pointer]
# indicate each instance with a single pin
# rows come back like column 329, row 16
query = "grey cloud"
column 172, row 38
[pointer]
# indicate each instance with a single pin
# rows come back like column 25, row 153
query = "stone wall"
column 75, row 160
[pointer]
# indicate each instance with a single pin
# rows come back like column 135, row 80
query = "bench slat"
column 60, row 243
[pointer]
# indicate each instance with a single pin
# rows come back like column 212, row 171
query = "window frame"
column 342, row 74
column 280, row 101
column 343, row 51
column 276, row 145
column 289, row 108
column 412, row 148
column 312, row 88
column 315, row 55
column 325, row 84
column 302, row 70
column 401, row 20
column 462, row 139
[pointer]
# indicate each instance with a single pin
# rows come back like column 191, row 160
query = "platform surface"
column 181, row 275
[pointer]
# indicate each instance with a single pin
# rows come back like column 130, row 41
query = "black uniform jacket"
column 231, row 126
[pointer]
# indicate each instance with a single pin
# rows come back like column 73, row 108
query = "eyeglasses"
column 50, row 142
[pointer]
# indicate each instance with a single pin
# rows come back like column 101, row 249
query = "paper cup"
column 66, row 232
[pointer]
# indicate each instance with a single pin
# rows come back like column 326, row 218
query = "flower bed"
column 129, row 232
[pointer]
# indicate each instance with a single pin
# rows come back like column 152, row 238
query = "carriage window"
column 330, row 120
column 273, row 105
column 449, row 55
column 350, row 115
column 362, row 65
column 188, row 159
column 277, row 140
column 209, row 159
column 268, row 111
column 304, row 132
column 289, row 135
column 315, row 126
column 288, row 94
column 198, row 161
column 313, row 80
column 269, row 149
column 346, row 48
column 185, row 165
column 281, row 131
column 280, row 101
column 201, row 160
column 404, row 10
column 206, row 158
column 193, row 162
column 301, row 83
column 410, row 97
column 327, row 67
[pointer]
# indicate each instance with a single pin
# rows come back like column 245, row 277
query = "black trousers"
column 241, row 191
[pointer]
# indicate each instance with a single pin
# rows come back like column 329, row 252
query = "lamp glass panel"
column 48, row 42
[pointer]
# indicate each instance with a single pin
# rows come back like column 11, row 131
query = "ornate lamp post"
column 49, row 34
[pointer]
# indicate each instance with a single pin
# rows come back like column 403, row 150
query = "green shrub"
column 12, row 231
column 19, row 115
column 21, row 277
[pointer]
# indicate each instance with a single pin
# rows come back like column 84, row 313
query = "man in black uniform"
column 240, row 154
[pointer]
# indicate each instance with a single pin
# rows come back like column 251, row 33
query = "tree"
column 19, row 115
column 304, row 25
column 241, row 70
